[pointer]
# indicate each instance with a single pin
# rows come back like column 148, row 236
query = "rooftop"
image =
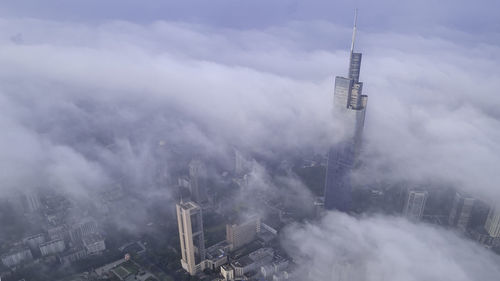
column 51, row 242
column 16, row 249
column 189, row 205
column 218, row 250
column 33, row 236
column 243, row 261
column 92, row 238
column 72, row 250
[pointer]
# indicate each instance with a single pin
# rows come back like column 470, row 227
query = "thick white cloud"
column 342, row 247
column 87, row 90
column 431, row 111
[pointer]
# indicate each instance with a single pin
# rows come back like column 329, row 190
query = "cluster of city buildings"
column 245, row 253
column 225, row 258
column 349, row 106
column 64, row 239
column 124, row 269
column 459, row 216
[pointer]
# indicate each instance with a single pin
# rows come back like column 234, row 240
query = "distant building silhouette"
column 415, row 204
column 492, row 224
column 461, row 211
column 31, row 201
column 198, row 181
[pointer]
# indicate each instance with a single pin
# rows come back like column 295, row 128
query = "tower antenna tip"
column 354, row 29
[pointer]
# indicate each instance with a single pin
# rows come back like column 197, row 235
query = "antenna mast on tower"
column 354, row 29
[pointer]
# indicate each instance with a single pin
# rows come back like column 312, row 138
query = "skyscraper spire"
column 354, row 58
column 354, row 29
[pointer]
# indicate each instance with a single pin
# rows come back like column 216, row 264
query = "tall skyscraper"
column 349, row 105
column 492, row 224
column 190, row 221
column 415, row 204
column 461, row 211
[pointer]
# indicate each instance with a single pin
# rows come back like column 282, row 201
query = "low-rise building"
column 243, row 265
column 94, row 243
column 217, row 255
column 72, row 255
column 275, row 267
column 252, row 261
column 483, row 237
column 58, row 232
column 52, row 247
column 227, row 272
column 415, row 204
column 280, row 276
column 83, row 228
column 16, row 256
column 34, row 241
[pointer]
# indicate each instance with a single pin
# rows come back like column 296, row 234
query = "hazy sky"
column 89, row 88
column 388, row 15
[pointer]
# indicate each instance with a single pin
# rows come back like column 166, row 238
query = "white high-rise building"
column 190, row 221
column 415, row 204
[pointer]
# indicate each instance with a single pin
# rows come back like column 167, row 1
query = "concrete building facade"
column 241, row 234
column 52, row 247
column 252, row 261
column 94, row 243
column 72, row 255
column 461, row 211
column 415, row 204
column 34, row 241
column 190, row 223
column 85, row 227
column 492, row 224
column 227, row 272
column 17, row 256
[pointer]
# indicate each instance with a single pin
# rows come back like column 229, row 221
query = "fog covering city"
column 91, row 101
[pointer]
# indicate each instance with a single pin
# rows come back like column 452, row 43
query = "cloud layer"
column 72, row 91
column 385, row 248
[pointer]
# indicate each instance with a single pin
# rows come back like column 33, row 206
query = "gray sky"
column 472, row 16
